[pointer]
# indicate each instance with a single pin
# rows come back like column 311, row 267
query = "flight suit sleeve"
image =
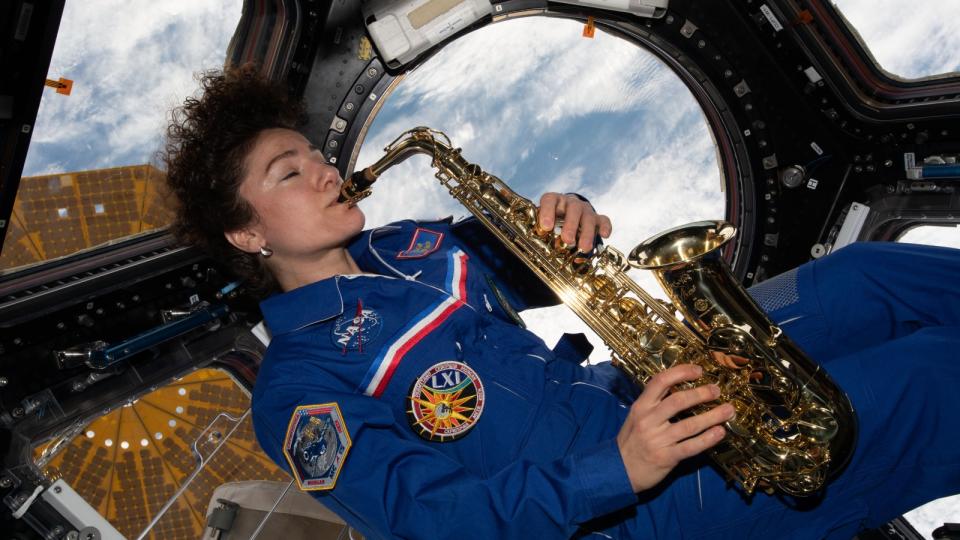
column 394, row 486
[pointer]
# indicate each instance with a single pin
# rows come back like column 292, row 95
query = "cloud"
column 914, row 39
column 130, row 65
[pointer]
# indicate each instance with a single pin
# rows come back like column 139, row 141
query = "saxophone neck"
column 419, row 140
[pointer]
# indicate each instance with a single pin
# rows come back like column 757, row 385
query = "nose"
column 327, row 177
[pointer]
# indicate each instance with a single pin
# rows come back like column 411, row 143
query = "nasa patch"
column 423, row 243
column 351, row 333
column 316, row 444
column 445, row 402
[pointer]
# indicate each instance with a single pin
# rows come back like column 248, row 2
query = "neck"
column 292, row 274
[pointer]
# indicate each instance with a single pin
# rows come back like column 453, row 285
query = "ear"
column 244, row 239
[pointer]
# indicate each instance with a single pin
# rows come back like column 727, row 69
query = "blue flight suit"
column 534, row 452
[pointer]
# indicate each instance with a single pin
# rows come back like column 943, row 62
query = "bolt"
column 6, row 482
column 4, row 381
column 372, row 72
column 18, row 412
column 57, row 489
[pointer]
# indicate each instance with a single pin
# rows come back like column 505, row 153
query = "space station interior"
column 127, row 361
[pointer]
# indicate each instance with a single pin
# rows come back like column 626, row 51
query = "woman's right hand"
column 650, row 444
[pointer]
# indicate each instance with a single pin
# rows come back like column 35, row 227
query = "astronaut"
column 451, row 420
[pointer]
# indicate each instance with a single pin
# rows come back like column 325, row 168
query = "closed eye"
column 290, row 175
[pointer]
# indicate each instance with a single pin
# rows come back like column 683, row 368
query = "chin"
column 361, row 219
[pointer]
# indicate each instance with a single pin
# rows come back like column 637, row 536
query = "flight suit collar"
column 303, row 306
column 322, row 300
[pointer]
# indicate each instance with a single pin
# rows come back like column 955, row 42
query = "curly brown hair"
column 206, row 143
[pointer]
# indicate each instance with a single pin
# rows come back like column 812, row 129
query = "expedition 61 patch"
column 445, row 402
column 316, row 444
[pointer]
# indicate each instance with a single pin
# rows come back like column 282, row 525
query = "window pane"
column 933, row 236
column 908, row 39
column 545, row 109
column 88, row 176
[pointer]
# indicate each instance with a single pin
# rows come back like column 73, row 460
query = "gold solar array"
column 128, row 463
column 60, row 214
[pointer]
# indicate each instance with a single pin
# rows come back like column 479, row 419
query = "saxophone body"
column 793, row 428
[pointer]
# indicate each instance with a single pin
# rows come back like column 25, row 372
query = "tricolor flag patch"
column 423, row 243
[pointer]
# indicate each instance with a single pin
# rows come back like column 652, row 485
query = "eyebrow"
column 278, row 157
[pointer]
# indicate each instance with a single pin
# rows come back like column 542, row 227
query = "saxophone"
column 793, row 426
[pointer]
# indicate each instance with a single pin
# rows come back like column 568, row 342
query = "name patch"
column 445, row 402
column 423, row 243
column 316, row 445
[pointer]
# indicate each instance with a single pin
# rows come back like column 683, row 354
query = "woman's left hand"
column 581, row 223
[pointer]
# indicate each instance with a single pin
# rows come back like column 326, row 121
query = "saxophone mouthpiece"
column 357, row 187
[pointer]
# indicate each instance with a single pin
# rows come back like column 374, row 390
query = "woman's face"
column 294, row 192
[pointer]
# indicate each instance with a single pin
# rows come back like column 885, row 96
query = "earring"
column 265, row 252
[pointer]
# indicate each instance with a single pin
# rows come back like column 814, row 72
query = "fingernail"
column 732, row 412
column 698, row 371
column 715, row 390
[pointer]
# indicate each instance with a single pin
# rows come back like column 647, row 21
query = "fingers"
column 651, row 443
column 581, row 223
column 659, row 386
column 729, row 360
column 688, row 427
column 605, row 226
column 678, row 402
column 698, row 444
column 571, row 223
column 548, row 210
